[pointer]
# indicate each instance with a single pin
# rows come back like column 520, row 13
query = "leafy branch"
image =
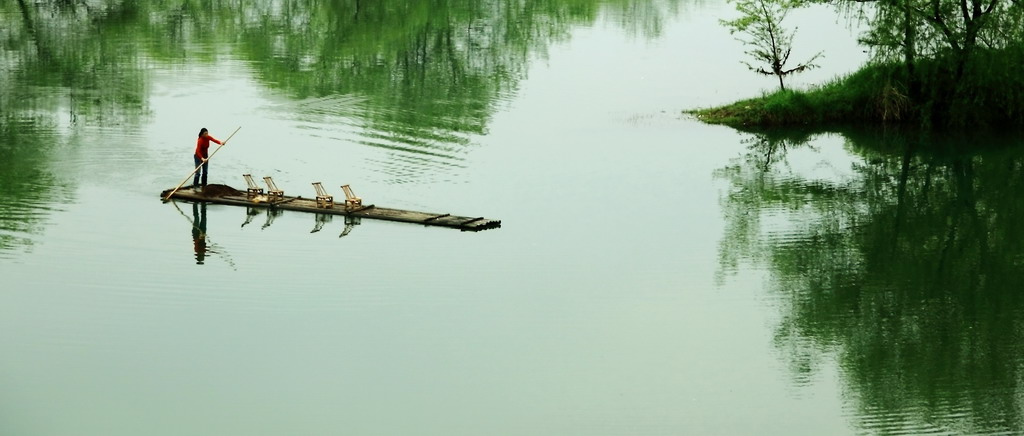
column 761, row 23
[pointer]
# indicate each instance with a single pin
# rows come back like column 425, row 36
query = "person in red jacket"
column 202, row 154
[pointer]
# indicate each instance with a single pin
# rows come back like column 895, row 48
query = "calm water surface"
column 653, row 275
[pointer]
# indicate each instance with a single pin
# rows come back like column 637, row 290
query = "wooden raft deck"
column 222, row 194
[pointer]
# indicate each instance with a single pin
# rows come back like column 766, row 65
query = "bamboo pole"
column 168, row 197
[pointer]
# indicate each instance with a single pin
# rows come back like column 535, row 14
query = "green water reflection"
column 29, row 189
column 905, row 269
column 426, row 75
column 55, row 79
column 420, row 77
column 908, row 270
column 71, row 63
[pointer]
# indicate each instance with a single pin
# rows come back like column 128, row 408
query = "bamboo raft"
column 323, row 203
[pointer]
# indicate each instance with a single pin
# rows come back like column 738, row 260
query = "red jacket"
column 203, row 146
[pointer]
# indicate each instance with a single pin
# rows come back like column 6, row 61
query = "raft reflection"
column 199, row 231
column 252, row 212
column 202, row 246
column 319, row 219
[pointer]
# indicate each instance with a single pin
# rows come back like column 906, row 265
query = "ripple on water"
column 405, row 145
column 24, row 214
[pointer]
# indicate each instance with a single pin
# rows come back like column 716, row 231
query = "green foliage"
column 988, row 94
column 761, row 24
column 936, row 28
column 936, row 64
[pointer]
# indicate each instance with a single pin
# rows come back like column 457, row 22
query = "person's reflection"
column 199, row 231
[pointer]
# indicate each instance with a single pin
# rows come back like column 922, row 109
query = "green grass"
column 990, row 93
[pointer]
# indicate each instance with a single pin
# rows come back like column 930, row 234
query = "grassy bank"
column 988, row 93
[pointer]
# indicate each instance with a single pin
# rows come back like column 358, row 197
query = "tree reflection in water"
column 908, row 272
column 418, row 77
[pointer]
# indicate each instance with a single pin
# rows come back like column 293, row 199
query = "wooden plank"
column 436, row 217
column 369, row 206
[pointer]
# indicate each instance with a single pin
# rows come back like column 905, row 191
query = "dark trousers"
column 205, row 170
